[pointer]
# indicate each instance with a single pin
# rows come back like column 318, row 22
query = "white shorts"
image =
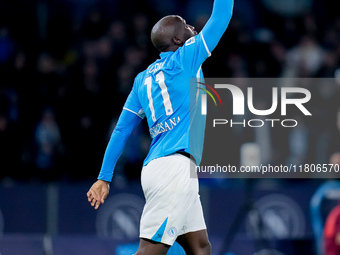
column 173, row 206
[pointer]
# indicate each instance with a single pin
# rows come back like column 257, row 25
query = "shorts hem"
column 163, row 242
column 193, row 230
column 170, row 243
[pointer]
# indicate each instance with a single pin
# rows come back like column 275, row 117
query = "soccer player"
column 173, row 210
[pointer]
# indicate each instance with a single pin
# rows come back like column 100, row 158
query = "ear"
column 177, row 41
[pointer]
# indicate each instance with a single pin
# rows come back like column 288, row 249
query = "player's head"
column 170, row 33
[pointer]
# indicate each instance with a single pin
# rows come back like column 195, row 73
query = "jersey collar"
column 165, row 54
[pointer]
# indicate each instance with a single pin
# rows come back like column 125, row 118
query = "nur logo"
column 239, row 99
column 204, row 97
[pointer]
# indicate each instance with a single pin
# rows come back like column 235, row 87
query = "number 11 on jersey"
column 160, row 79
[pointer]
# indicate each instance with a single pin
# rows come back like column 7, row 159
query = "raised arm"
column 218, row 22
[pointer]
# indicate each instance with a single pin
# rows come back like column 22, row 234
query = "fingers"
column 93, row 195
column 103, row 197
column 94, row 202
column 89, row 196
column 95, row 199
column 97, row 204
column 97, row 194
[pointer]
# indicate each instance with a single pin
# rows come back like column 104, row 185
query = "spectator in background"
column 305, row 59
column 95, row 24
column 49, row 80
column 48, row 144
column 328, row 65
column 117, row 33
column 140, row 33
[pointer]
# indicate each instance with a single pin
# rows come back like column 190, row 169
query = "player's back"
column 163, row 92
column 164, row 89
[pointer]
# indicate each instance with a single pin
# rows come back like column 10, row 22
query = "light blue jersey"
column 167, row 94
column 162, row 94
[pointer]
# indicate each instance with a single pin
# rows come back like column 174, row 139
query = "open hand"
column 98, row 193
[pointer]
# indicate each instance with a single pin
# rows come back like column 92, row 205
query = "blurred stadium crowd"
column 67, row 67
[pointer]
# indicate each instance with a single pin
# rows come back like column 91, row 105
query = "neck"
column 171, row 48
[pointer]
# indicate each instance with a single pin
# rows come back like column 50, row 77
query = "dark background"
column 67, row 66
